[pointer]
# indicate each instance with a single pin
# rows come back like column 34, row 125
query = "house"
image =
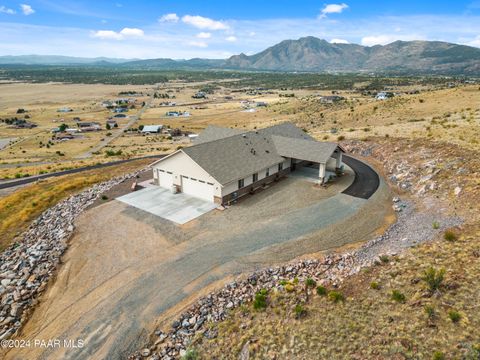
column 120, row 110
column 89, row 126
column 200, row 95
column 384, row 95
column 24, row 124
column 330, row 99
column 120, row 116
column 152, row 129
column 65, row 110
column 112, row 123
column 225, row 164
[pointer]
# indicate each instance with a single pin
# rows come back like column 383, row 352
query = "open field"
column 18, row 209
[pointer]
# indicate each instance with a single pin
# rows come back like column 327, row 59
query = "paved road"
column 30, row 179
column 366, row 179
column 115, row 134
column 125, row 268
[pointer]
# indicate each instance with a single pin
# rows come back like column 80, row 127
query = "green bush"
column 398, row 296
column 336, row 296
column 450, row 235
column 260, row 301
column 299, row 311
column 433, row 278
column 454, row 316
column 438, row 355
column 191, row 354
column 321, row 290
column 436, row 225
column 384, row 259
column 310, row 282
column 430, row 311
column 104, row 197
column 375, row 285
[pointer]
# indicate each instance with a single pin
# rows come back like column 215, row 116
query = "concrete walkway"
column 179, row 208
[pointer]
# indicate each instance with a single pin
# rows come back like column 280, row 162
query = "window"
column 255, row 177
column 267, row 173
column 240, row 183
column 280, row 167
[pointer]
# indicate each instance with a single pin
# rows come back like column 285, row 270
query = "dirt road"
column 125, row 268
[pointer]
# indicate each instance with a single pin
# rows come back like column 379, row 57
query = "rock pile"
column 27, row 265
column 410, row 229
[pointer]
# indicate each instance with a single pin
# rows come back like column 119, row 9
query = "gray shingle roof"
column 309, row 150
column 212, row 132
column 230, row 156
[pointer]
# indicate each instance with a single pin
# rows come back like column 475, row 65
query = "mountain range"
column 309, row 54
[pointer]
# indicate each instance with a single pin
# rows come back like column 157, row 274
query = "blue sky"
column 218, row 29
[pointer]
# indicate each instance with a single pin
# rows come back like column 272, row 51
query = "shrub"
column 430, row 311
column 436, row 225
column 310, row 282
column 438, row 355
column 104, row 197
column 336, row 296
column 450, row 235
column 454, row 316
column 260, row 301
column 283, row 282
column 384, row 258
column 398, row 296
column 341, row 138
column 289, row 287
column 375, row 285
column 321, row 290
column 433, row 278
column 299, row 311
column 191, row 354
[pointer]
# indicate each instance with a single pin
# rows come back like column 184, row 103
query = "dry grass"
column 369, row 324
column 18, row 209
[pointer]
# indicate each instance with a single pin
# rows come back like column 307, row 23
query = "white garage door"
column 197, row 188
column 165, row 179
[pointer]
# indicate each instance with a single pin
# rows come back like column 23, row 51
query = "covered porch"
column 327, row 155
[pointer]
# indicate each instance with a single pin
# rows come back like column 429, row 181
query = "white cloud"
column 173, row 18
column 204, row 35
column 134, row 32
column 333, row 9
column 252, row 33
column 201, row 22
column 113, row 35
column 231, row 39
column 26, row 9
column 387, row 39
column 6, row 10
column 200, row 44
column 339, row 41
column 472, row 42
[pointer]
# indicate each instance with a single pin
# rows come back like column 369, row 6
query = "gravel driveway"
column 125, row 267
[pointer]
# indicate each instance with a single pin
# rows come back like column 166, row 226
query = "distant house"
column 120, row 116
column 152, row 129
column 384, row 95
column 65, row 110
column 112, row 123
column 200, row 95
column 330, row 99
column 261, row 104
column 120, row 110
column 64, row 136
column 177, row 113
column 89, row 126
column 24, row 124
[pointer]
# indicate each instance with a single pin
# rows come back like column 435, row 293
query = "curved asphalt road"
column 9, row 184
column 366, row 179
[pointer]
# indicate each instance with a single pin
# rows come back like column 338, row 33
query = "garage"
column 198, row 188
column 165, row 179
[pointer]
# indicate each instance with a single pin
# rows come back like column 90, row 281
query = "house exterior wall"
column 231, row 191
column 181, row 164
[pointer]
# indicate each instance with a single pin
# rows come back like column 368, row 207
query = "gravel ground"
column 412, row 228
column 125, row 268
